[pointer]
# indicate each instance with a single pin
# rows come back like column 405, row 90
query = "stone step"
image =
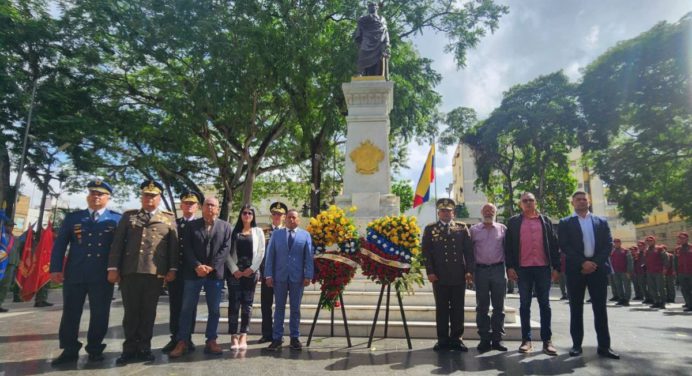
column 361, row 328
column 419, row 298
column 367, row 312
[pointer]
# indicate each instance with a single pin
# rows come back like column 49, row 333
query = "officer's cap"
column 445, row 203
column 152, row 187
column 99, row 185
column 650, row 237
column 278, row 207
column 191, row 196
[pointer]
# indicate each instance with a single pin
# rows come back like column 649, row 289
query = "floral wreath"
column 391, row 251
column 336, row 242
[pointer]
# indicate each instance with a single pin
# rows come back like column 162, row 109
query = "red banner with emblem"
column 34, row 270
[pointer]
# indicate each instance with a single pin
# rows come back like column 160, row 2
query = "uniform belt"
column 490, row 265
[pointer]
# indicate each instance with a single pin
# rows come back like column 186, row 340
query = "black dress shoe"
column 275, row 346
column 145, row 356
column 264, row 340
column 563, row 297
column 625, row 303
column 497, row 345
column 96, row 357
column 608, row 353
column 295, row 344
column 440, row 347
column 647, row 301
column 459, row 346
column 190, row 346
column 575, row 351
column 614, row 299
column 169, row 346
column 687, row 310
column 3, row 310
column 483, row 346
column 64, row 358
column 125, row 358
column 43, row 304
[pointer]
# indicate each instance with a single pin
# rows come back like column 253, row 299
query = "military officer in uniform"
column 189, row 203
column 448, row 252
column 144, row 254
column 278, row 210
column 89, row 234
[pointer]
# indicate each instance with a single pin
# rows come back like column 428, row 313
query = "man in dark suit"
column 143, row 255
column 289, row 267
column 189, row 204
column 532, row 258
column 586, row 241
column 206, row 244
column 89, row 234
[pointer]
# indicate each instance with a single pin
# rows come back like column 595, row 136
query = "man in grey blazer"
column 206, row 244
column 289, row 267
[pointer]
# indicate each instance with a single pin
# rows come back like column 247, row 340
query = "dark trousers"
column 597, row 284
column 537, row 277
column 449, row 312
column 241, row 295
column 140, row 296
column 491, row 285
column 175, row 300
column 267, row 299
column 73, row 297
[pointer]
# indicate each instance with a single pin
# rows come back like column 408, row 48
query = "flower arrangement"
column 391, row 250
column 334, row 266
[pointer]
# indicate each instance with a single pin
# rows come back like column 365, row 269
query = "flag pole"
column 436, row 177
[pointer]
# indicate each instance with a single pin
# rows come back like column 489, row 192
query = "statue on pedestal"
column 372, row 38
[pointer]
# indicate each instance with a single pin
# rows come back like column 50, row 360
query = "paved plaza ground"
column 651, row 342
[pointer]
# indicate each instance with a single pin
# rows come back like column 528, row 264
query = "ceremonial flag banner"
column 426, row 178
column 34, row 269
column 5, row 245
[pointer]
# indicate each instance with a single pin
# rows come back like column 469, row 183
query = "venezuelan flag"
column 426, row 178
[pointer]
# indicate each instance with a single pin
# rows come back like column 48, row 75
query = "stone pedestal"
column 367, row 178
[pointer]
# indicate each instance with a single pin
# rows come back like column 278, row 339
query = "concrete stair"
column 360, row 300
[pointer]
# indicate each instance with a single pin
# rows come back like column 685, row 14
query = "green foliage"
column 461, row 211
column 404, row 190
column 636, row 99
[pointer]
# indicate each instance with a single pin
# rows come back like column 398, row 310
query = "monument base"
column 369, row 206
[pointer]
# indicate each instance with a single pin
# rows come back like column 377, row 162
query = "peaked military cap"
column 650, row 237
column 99, row 185
column 191, row 196
column 445, row 203
column 151, row 187
column 278, row 207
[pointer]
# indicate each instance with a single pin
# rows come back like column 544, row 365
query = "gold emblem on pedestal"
column 367, row 157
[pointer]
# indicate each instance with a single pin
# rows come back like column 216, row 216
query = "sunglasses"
column 248, row 213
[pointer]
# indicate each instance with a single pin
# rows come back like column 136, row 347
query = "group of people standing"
column 143, row 249
column 651, row 270
column 532, row 252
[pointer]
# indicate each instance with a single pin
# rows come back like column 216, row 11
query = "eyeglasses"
column 527, row 200
column 277, row 214
column 248, row 213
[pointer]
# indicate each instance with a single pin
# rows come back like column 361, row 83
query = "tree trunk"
column 172, row 198
column 6, row 196
column 248, row 185
column 316, row 159
column 226, row 204
column 42, row 207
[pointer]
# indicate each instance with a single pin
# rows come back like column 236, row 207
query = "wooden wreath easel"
column 386, row 315
column 331, row 331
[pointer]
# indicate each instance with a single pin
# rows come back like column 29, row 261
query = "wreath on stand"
column 336, row 243
column 391, row 252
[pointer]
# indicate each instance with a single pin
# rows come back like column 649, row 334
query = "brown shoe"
column 179, row 350
column 549, row 349
column 212, row 348
column 525, row 347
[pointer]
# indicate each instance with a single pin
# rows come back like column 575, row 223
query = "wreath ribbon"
column 338, row 258
column 393, row 263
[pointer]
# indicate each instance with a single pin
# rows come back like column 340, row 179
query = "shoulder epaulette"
column 169, row 213
column 131, row 211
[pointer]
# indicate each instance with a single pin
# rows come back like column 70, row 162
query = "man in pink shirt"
column 488, row 239
column 532, row 258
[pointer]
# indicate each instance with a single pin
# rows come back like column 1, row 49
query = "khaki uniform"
column 144, row 249
column 448, row 252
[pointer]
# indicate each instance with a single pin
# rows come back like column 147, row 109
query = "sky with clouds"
column 537, row 37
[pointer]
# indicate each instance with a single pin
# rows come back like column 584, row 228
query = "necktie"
column 95, row 216
column 291, row 238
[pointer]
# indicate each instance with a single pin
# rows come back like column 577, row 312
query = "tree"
column 404, row 190
column 525, row 142
column 638, row 133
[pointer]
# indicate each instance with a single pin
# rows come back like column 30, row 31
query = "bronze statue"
column 372, row 38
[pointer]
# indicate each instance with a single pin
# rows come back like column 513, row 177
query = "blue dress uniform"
column 85, row 275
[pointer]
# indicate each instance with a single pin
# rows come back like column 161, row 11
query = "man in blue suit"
column 89, row 234
column 288, row 268
column 586, row 241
